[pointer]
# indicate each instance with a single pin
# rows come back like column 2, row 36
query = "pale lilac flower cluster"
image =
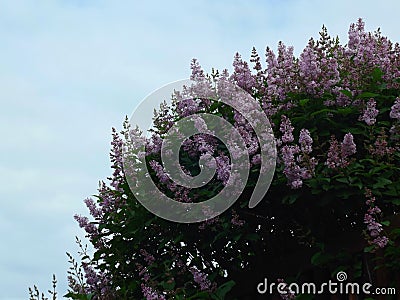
column 292, row 169
column 163, row 119
column 197, row 71
column 149, row 258
column 208, row 212
column 380, row 147
column 235, row 219
column 117, row 178
column 348, row 146
column 367, row 51
column 325, row 66
column 370, row 113
column 153, row 145
column 374, row 228
column 305, row 141
column 91, row 229
column 395, row 109
column 287, row 130
column 151, row 294
column 223, row 168
column 201, row 279
column 160, row 173
column 200, row 143
column 280, row 75
column 317, row 72
column 297, row 161
column 94, row 210
column 109, row 201
column 187, row 107
column 338, row 155
column 97, row 282
column 242, row 74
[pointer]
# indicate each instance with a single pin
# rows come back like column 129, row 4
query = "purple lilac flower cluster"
column 374, row 228
column 380, row 148
column 370, row 113
column 151, row 294
column 299, row 165
column 338, row 155
column 395, row 109
column 235, row 219
column 201, row 279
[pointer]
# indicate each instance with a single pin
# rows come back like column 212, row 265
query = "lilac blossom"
column 153, row 145
column 337, row 156
column 197, row 71
column 150, row 293
column 187, row 107
column 201, row 279
column 97, row 282
column 348, row 147
column 160, row 173
column 235, row 219
column 93, row 209
column 395, row 109
column 374, row 228
column 293, row 172
column 223, row 168
column 256, row 159
column 287, row 129
column 117, row 178
column 381, row 241
column 280, row 72
column 370, row 113
column 208, row 212
column 333, row 161
column 305, row 141
column 380, row 147
column 89, row 227
column 242, row 74
column 147, row 257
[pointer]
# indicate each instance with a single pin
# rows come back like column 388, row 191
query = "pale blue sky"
column 70, row 70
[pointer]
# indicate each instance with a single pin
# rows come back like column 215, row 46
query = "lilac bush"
column 335, row 112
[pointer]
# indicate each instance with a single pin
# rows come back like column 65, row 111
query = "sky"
column 70, row 70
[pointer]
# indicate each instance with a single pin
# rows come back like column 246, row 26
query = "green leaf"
column 346, row 93
column 396, row 201
column 290, row 199
column 321, row 258
column 252, row 237
column 343, row 180
column 381, row 182
column 303, row 102
column 322, row 111
column 367, row 95
column 237, row 237
column 369, row 249
column 377, row 74
column 386, row 223
column 345, row 111
column 222, row 290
